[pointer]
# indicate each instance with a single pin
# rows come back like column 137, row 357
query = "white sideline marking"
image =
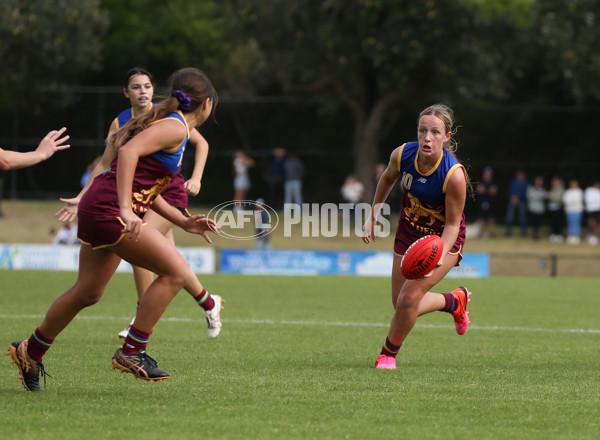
column 328, row 324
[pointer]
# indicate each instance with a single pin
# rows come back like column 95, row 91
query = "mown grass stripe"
column 328, row 324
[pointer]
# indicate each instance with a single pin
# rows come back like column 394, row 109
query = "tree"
column 49, row 42
column 381, row 60
column 165, row 37
column 566, row 35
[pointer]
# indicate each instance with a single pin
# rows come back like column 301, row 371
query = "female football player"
column 139, row 89
column 111, row 228
column 435, row 187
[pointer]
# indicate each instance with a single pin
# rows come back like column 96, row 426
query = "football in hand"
column 422, row 257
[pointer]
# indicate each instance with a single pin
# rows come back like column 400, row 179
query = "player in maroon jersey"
column 139, row 89
column 111, row 228
column 435, row 188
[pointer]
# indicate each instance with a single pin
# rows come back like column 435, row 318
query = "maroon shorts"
column 405, row 236
column 174, row 193
column 99, row 231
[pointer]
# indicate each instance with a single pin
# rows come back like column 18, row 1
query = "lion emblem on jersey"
column 144, row 197
column 417, row 213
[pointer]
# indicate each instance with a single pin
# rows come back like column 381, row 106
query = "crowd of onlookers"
column 572, row 213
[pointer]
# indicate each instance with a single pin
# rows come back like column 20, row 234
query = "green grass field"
column 295, row 360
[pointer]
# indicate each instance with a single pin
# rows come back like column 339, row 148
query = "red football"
column 422, row 257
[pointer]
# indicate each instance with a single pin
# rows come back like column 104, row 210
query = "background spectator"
column 294, row 173
column 264, row 228
column 277, row 177
column 352, row 190
column 67, row 234
column 486, row 197
column 85, row 177
column 573, row 204
column 536, row 198
column 591, row 198
column 555, row 209
column 241, row 181
column 517, row 194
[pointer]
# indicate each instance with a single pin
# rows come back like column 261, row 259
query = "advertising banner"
column 306, row 262
column 65, row 257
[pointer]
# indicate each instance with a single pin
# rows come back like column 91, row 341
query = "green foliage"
column 164, row 36
column 568, row 65
column 383, row 61
column 295, row 361
column 49, row 42
column 518, row 10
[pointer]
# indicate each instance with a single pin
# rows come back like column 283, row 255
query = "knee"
column 408, row 299
column 180, row 278
column 88, row 296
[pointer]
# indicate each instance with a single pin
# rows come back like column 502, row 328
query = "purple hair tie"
column 184, row 100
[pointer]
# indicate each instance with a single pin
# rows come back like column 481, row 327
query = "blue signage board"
column 307, row 262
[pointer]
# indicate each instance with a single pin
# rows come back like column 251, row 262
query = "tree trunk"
column 366, row 141
column 365, row 159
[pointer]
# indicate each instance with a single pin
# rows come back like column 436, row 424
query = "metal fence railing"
column 544, row 264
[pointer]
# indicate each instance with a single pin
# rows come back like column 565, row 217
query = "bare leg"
column 96, row 267
column 144, row 278
column 414, row 299
column 154, row 252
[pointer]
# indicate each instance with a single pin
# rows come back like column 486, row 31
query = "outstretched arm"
column 52, row 142
column 196, row 224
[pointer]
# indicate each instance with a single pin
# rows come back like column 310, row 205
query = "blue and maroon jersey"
column 174, row 194
column 99, row 206
column 423, row 203
column 124, row 117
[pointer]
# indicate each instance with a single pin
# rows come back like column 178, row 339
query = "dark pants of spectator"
column 276, row 191
column 536, row 221
column 557, row 217
column 519, row 209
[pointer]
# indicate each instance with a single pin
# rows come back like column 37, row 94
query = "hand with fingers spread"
column 67, row 213
column 200, row 224
column 52, row 143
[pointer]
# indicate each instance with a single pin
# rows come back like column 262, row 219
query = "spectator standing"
column 555, row 209
column 241, row 180
column 263, row 229
column 536, row 198
column 277, row 178
column 591, row 198
column 573, row 203
column 486, row 197
column 294, row 173
column 517, row 194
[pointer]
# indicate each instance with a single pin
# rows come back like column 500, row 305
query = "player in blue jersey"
column 435, row 185
column 52, row 142
column 139, row 89
column 111, row 228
